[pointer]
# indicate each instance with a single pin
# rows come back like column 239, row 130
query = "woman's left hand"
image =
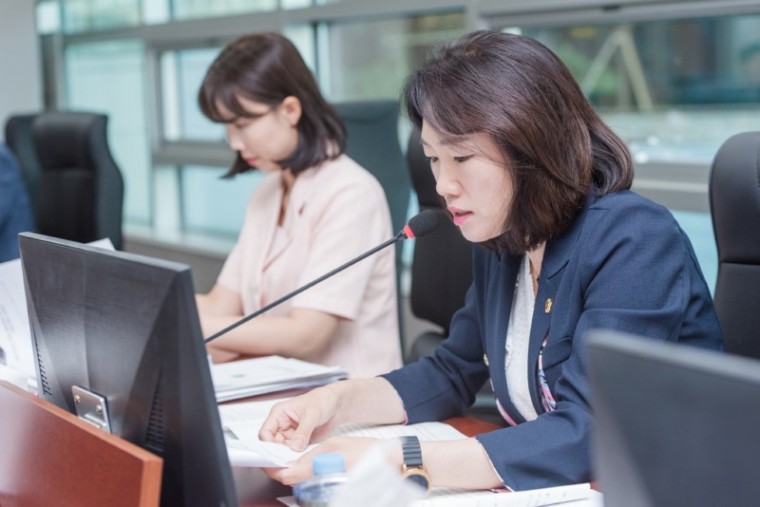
column 352, row 448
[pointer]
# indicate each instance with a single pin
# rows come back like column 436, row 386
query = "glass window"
column 108, row 77
column 673, row 89
column 295, row 4
column 87, row 15
column 188, row 9
column 371, row 59
column 48, row 17
column 182, row 73
column 302, row 37
column 155, row 11
column 212, row 204
column 698, row 226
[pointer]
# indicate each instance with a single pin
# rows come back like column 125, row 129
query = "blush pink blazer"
column 336, row 211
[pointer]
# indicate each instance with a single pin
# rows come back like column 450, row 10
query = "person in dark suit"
column 15, row 208
column 533, row 177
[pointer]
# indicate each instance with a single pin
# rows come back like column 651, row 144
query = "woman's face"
column 473, row 178
column 269, row 136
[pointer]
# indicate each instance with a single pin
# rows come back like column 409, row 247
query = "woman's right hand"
column 312, row 416
column 303, row 419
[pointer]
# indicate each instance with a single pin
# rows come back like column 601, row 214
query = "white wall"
column 20, row 74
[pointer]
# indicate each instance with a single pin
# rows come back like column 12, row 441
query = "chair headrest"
column 735, row 198
column 68, row 139
column 370, row 111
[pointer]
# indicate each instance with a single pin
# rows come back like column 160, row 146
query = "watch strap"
column 412, row 452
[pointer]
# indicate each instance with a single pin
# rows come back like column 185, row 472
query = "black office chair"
column 75, row 186
column 735, row 210
column 373, row 142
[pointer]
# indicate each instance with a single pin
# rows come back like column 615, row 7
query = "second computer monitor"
column 673, row 424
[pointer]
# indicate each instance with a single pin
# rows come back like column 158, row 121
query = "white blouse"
column 518, row 336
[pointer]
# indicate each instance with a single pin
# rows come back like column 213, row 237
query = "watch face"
column 418, row 479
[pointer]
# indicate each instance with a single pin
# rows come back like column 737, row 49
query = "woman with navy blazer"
column 532, row 175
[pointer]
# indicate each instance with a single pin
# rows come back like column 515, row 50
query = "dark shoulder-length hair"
column 516, row 90
column 267, row 68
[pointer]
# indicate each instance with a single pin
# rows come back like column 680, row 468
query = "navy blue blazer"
column 624, row 264
column 15, row 207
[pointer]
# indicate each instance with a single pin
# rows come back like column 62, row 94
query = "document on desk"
column 15, row 336
column 575, row 495
column 242, row 421
column 261, row 375
column 560, row 495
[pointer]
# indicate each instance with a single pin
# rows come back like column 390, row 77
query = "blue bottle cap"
column 328, row 463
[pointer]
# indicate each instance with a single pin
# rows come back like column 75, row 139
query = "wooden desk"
column 255, row 488
column 51, row 457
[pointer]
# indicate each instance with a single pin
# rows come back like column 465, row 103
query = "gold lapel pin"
column 548, row 305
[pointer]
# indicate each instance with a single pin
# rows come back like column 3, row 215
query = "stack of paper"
column 250, row 377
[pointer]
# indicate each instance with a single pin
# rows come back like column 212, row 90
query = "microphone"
column 418, row 225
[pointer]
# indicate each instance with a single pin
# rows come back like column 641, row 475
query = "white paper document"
column 15, row 336
column 559, row 495
column 245, row 449
column 576, row 495
column 242, row 421
column 261, row 375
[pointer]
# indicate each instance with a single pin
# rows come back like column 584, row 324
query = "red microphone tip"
column 422, row 223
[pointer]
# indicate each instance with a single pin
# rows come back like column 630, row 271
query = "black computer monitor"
column 673, row 424
column 125, row 327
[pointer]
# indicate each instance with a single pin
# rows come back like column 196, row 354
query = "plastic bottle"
column 329, row 474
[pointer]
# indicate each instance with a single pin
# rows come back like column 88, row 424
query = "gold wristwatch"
column 413, row 470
